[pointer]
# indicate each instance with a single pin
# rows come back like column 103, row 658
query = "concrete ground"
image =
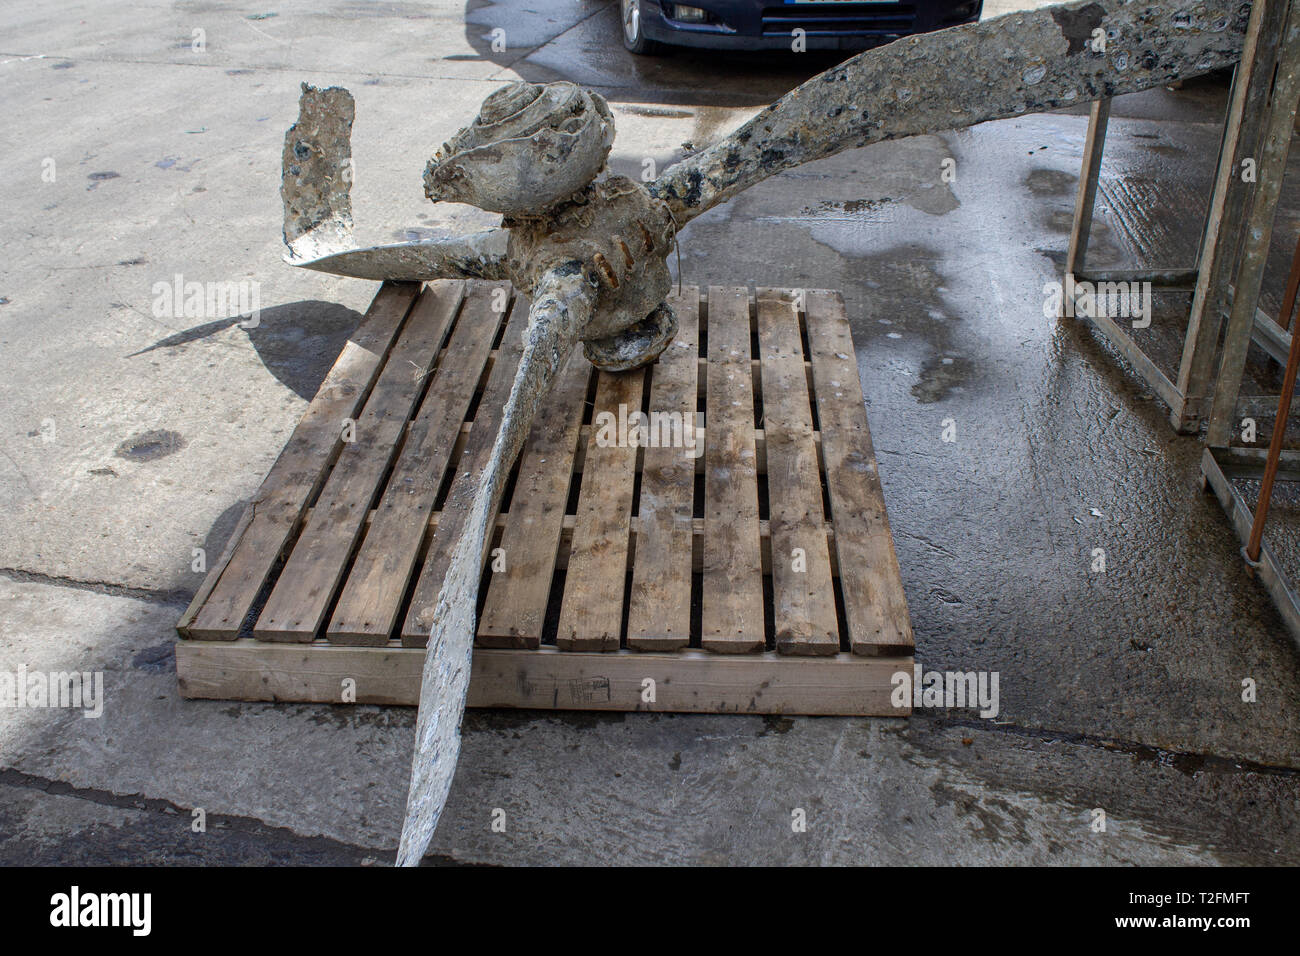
column 129, row 439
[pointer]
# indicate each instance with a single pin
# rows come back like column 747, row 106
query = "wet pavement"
column 131, row 438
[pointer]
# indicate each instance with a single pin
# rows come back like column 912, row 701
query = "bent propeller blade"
column 561, row 309
column 1014, row 64
column 316, row 177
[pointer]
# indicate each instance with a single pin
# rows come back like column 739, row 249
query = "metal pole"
column 1283, row 412
column 1287, row 315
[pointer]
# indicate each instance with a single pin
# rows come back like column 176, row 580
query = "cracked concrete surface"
column 1119, row 691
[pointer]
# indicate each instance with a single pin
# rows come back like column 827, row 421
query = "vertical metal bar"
column 1283, row 412
column 1221, row 237
column 1287, row 315
column 1280, row 122
column 1086, row 199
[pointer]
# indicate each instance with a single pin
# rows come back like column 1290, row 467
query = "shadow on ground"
column 297, row 342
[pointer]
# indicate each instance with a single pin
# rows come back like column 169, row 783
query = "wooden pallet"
column 756, row 576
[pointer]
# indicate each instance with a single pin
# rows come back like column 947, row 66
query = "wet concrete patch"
column 905, row 295
column 1165, row 149
column 775, row 724
column 996, row 819
column 940, row 376
column 867, row 210
column 514, row 720
column 937, row 199
column 151, row 445
column 1173, row 238
column 657, row 111
column 1059, row 221
column 159, row 658
column 1050, row 182
column 353, row 716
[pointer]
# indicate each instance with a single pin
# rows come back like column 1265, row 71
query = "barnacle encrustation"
column 531, row 146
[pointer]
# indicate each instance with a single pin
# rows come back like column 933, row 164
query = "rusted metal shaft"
column 1256, row 540
column 1292, row 286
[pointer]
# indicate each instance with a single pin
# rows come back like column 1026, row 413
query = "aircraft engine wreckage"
column 592, row 252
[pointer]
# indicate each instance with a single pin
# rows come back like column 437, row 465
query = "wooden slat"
column 701, row 433
column 301, row 467
column 732, row 616
column 659, row 611
column 517, row 597
column 478, row 448
column 803, row 596
column 548, row 679
column 214, row 573
column 697, row 530
column 874, row 604
column 307, row 584
column 591, row 615
column 370, row 603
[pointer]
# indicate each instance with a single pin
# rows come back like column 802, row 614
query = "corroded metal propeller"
column 592, row 251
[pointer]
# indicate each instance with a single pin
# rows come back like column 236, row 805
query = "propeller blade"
column 1014, row 64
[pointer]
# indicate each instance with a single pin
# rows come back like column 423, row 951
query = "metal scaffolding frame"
column 1190, row 395
column 1225, row 282
column 1220, row 462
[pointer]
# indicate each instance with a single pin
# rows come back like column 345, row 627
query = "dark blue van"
column 771, row 24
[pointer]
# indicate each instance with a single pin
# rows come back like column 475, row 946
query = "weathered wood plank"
column 591, row 615
column 803, row 596
column 697, row 529
column 547, row 679
column 301, row 597
column 517, row 597
column 302, row 466
column 478, row 448
column 579, row 463
column 874, row 604
column 732, row 616
column 659, row 612
column 214, row 572
column 371, row 600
